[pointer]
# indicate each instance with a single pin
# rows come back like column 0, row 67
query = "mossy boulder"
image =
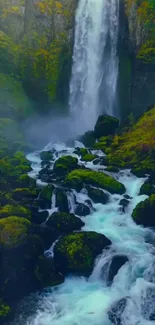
column 47, row 234
column 106, row 125
column 144, row 212
column 89, row 157
column 82, row 210
column 15, row 210
column 63, row 222
column 13, row 231
column 46, row 155
column 97, row 195
column 88, row 139
column 26, row 181
column 46, row 273
column 76, row 252
column 77, row 178
column 103, row 143
column 148, row 188
column 38, row 217
column 45, row 197
column 24, row 195
column 81, row 151
column 112, row 169
column 65, row 164
column 61, row 200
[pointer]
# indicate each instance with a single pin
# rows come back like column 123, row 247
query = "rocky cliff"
column 137, row 56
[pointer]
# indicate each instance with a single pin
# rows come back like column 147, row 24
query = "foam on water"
column 86, row 301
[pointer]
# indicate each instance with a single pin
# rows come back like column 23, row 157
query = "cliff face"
column 137, row 61
column 37, row 36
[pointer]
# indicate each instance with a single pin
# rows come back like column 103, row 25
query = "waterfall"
column 95, row 62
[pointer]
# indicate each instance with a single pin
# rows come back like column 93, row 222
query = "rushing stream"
column 81, row 301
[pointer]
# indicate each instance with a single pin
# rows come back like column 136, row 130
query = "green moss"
column 4, row 309
column 24, row 193
column 103, row 143
column 46, row 155
column 47, row 192
column 95, row 178
column 136, row 147
column 76, row 252
column 64, row 222
column 13, row 230
column 148, row 188
column 65, row 164
column 144, row 212
column 81, row 151
column 89, row 157
column 19, row 211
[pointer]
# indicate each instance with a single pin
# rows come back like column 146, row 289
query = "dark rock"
column 64, row 223
column 46, row 273
column 61, row 200
column 82, row 210
column 106, row 125
column 96, row 161
column 88, row 139
column 148, row 188
column 126, row 196
column 124, row 203
column 96, row 195
column 112, row 169
column 76, row 252
column 117, row 262
column 47, row 234
column 144, row 212
column 39, row 217
column 46, row 156
column 116, row 312
column 45, row 197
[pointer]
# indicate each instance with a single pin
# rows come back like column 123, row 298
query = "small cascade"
column 95, row 62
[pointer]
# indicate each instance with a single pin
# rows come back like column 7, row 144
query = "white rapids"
column 81, row 301
column 95, row 62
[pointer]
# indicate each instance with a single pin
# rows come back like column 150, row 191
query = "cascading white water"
column 95, row 62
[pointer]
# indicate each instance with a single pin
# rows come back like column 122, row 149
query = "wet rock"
column 64, row 165
column 144, row 212
column 97, row 195
column 88, row 157
column 46, row 174
column 61, row 200
column 116, row 312
column 46, row 273
column 81, row 151
column 46, row 156
column 117, row 262
column 38, row 217
column 147, row 304
column 47, row 234
column 105, row 125
column 64, row 223
column 96, row 161
column 126, row 196
column 76, row 252
column 88, row 139
column 82, row 210
column 112, row 169
column 45, row 197
column 124, row 203
column 148, row 188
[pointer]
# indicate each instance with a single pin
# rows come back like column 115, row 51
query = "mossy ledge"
column 77, row 178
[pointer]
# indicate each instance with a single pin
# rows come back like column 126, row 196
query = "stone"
column 117, row 262
column 61, row 200
column 64, row 223
column 116, row 312
column 144, row 212
column 97, row 195
column 82, row 210
column 106, row 125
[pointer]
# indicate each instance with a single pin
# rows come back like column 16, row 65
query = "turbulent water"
column 81, row 301
column 95, row 63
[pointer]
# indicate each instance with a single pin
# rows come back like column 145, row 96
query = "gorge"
column 77, row 240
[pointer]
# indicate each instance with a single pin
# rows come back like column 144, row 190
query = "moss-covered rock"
column 46, row 155
column 76, row 252
column 106, row 125
column 46, row 273
column 65, row 164
column 144, row 212
column 45, row 197
column 15, row 210
column 103, row 143
column 112, row 169
column 63, row 223
column 88, row 139
column 13, row 230
column 24, row 195
column 148, row 188
column 61, row 200
column 97, row 195
column 81, row 151
column 77, row 178
column 89, row 157
column 26, row 181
